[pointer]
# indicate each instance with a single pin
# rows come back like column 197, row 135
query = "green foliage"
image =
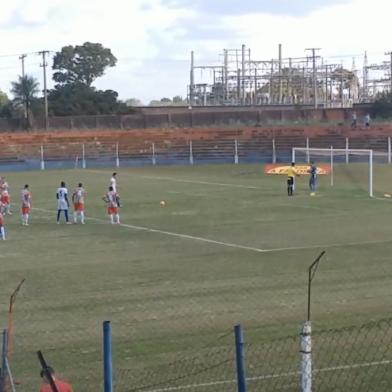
column 25, row 91
column 382, row 107
column 82, row 63
column 5, row 105
column 133, row 102
column 80, row 99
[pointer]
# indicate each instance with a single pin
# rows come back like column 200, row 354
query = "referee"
column 291, row 173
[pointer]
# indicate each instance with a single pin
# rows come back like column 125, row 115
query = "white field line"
column 223, row 184
column 229, row 244
column 273, row 376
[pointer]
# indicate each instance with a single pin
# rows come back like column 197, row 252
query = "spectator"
column 354, row 119
column 60, row 385
column 367, row 120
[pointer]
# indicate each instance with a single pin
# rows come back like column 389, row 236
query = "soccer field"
column 229, row 247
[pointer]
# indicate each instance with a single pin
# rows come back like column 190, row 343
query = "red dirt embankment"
column 130, row 136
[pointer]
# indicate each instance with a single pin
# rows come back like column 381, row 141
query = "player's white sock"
column 26, row 219
column 82, row 217
column 2, row 232
column 8, row 209
column 111, row 219
column 118, row 219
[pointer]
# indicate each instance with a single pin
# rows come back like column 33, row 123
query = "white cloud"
column 152, row 42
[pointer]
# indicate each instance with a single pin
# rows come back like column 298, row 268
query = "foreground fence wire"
column 356, row 358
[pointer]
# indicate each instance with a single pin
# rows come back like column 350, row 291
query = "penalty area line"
column 222, row 184
column 229, row 244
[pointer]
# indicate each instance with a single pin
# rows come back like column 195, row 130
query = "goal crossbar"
column 330, row 152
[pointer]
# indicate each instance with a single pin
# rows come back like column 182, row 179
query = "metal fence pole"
column 83, row 156
column 4, row 350
column 236, row 151
column 42, row 158
column 347, row 147
column 273, row 151
column 107, row 357
column 190, row 153
column 154, row 161
column 307, row 151
column 117, row 156
column 240, row 358
column 306, row 357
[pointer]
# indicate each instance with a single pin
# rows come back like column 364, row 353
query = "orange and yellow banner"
column 301, row 169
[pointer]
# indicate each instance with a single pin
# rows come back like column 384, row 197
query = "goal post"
column 330, row 153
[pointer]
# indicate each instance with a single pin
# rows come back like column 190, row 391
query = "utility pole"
column 243, row 92
column 390, row 69
column 313, row 50
column 44, row 65
column 21, row 58
column 192, row 80
column 280, row 76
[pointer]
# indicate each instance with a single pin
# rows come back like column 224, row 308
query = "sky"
column 152, row 39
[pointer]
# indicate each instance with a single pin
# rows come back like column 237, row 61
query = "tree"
column 78, row 99
column 133, row 102
column 25, row 90
column 5, row 105
column 382, row 106
column 82, row 63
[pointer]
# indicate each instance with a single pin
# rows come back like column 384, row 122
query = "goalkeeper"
column 312, row 178
column 291, row 173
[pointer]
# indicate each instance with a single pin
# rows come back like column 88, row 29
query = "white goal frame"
column 331, row 151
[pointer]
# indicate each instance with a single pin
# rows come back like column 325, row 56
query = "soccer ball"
column 162, row 203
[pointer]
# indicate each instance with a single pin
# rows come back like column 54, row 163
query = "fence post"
column 4, row 350
column 347, row 147
column 190, row 153
column 236, row 151
column 42, row 158
column 83, row 156
column 240, row 358
column 273, row 151
column 154, row 161
column 307, row 151
column 117, row 156
column 389, row 150
column 107, row 357
column 306, row 357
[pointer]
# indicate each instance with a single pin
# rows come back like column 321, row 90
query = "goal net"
column 333, row 156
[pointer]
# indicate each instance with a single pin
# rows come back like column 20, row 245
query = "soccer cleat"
column 312, row 194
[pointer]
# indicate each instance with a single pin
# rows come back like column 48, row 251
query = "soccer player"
column 25, row 197
column 2, row 229
column 61, row 386
column 291, row 173
column 312, row 178
column 62, row 202
column 78, row 201
column 113, row 182
column 5, row 199
column 112, row 200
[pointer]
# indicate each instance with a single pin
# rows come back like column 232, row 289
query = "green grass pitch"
column 229, row 247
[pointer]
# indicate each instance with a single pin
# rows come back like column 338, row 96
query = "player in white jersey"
column 112, row 200
column 113, row 182
column 62, row 202
column 78, row 201
column 3, row 184
column 25, row 198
